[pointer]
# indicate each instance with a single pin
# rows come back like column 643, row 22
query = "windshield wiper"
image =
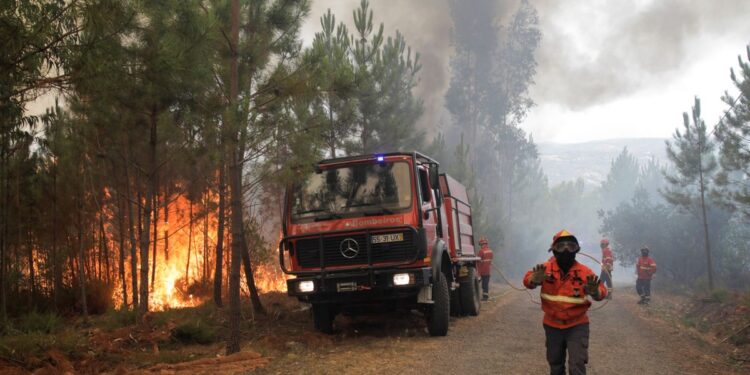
column 382, row 211
column 331, row 215
column 311, row 211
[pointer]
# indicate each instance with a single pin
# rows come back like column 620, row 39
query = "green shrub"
column 194, row 331
column 24, row 346
column 720, row 295
column 35, row 322
column 745, row 298
column 114, row 319
column 98, row 296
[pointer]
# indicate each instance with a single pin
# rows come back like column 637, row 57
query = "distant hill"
column 591, row 160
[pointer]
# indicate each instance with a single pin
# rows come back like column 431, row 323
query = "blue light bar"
column 380, row 159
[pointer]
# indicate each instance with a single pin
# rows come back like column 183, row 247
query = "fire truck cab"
column 380, row 231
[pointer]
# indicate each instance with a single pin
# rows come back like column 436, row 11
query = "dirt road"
column 507, row 338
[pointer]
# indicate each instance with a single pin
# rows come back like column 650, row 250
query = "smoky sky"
column 427, row 28
column 597, row 51
column 426, row 25
column 591, row 52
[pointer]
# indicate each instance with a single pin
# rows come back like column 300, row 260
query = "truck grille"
column 308, row 250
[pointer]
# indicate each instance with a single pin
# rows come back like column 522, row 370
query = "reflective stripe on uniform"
column 576, row 300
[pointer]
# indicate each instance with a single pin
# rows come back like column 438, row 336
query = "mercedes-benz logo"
column 349, row 248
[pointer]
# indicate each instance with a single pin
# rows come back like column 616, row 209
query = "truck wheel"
column 470, row 293
column 437, row 319
column 323, row 315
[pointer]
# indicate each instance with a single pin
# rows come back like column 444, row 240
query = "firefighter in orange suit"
column 565, row 284
column 645, row 267
column 485, row 266
column 608, row 263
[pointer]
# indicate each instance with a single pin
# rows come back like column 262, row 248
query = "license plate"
column 390, row 237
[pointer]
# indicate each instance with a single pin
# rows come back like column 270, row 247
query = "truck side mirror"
column 434, row 178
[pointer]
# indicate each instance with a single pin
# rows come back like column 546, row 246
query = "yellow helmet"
column 563, row 234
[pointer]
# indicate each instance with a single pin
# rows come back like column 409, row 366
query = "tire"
column 323, row 316
column 470, row 293
column 439, row 316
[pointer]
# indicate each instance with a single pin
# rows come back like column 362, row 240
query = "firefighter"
column 645, row 268
column 485, row 265
column 608, row 263
column 565, row 284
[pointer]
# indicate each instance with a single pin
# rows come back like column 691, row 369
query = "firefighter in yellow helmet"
column 565, row 284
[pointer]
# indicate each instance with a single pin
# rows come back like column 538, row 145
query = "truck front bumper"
column 370, row 285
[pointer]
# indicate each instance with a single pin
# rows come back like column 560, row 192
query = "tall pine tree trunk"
column 205, row 242
column 104, row 247
column 235, row 187
column 250, row 279
column 220, row 234
column 3, row 226
column 30, row 249
column 121, row 260
column 233, row 342
column 166, row 223
column 147, row 212
column 32, row 281
column 332, row 139
column 82, row 261
column 705, row 229
column 133, row 241
column 56, row 261
column 156, row 232
column 190, row 242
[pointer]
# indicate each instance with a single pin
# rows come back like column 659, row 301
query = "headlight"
column 306, row 286
column 402, row 279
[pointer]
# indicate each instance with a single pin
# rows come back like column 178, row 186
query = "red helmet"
column 604, row 241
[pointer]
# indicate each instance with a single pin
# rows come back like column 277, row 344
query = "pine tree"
column 334, row 79
column 651, row 178
column 491, row 71
column 621, row 180
column 733, row 134
column 259, row 73
column 691, row 153
column 399, row 109
column 145, row 83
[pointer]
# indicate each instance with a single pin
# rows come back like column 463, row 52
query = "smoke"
column 426, row 26
column 593, row 52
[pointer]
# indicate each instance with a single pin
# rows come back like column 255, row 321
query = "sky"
column 607, row 69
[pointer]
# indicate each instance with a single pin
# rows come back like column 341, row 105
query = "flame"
column 269, row 278
column 185, row 261
column 178, row 251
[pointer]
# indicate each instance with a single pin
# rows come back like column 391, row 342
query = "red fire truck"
column 380, row 231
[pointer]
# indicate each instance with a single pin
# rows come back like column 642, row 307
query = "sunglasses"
column 568, row 246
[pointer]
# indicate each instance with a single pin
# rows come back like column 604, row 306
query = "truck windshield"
column 354, row 190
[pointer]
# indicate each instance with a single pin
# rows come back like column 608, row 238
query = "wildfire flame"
column 186, row 258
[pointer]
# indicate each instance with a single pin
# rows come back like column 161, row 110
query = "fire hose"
column 531, row 297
